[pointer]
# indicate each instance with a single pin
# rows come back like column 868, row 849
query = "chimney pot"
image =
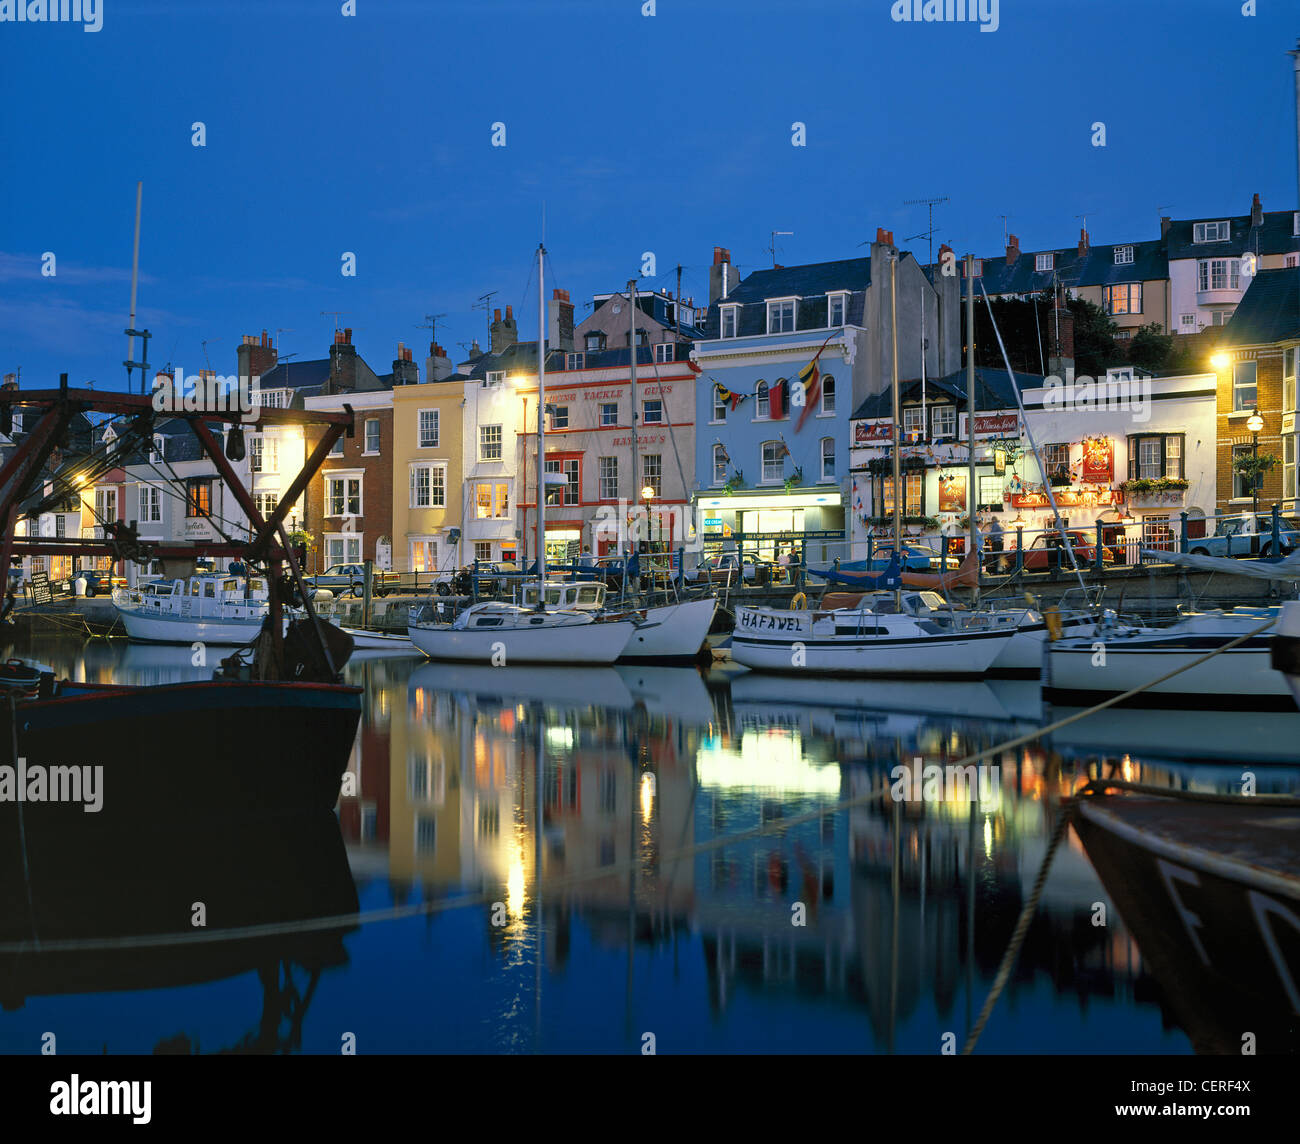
column 496, row 315
column 347, row 335
column 509, row 314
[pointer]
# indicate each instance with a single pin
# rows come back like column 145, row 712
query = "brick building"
column 1256, row 367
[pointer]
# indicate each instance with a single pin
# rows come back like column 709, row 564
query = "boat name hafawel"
column 53, row 784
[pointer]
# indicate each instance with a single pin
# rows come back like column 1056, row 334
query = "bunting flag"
column 693, row 366
column 782, row 449
column 726, row 457
column 776, row 399
column 811, row 377
column 730, row 396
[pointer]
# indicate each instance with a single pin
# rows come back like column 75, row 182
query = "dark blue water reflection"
column 639, row 924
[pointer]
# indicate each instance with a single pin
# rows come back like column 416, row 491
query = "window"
column 336, row 450
column 652, row 411
column 1155, row 455
column 342, row 496
column 428, row 429
column 1125, row 298
column 568, row 493
column 1057, row 460
column 1288, row 466
column 608, row 471
column 780, row 317
column 664, row 352
column 652, row 473
column 155, row 452
column 150, row 504
column 642, row 339
column 60, row 525
column 913, row 495
column 991, row 492
column 1187, row 321
column 265, row 503
column 489, row 442
column 105, row 506
column 609, row 412
column 1244, row 391
column 342, row 548
column 943, row 421
column 559, row 416
column 492, row 500
column 828, row 394
column 595, row 342
column 828, row 458
column 424, row 555
column 1289, row 359
column 198, row 497
column 1218, row 274
column 574, row 361
column 719, row 465
column 494, row 378
column 372, row 436
column 760, row 399
column 1291, row 260
column 1241, row 483
column 1210, row 231
column 1295, row 222
column 837, row 307
column 428, row 484
column 719, row 406
column 977, row 268
column 271, row 398
column 1220, row 317
column 728, row 316
column 773, row 461
column 913, row 422
column 1123, row 255
column 1044, row 261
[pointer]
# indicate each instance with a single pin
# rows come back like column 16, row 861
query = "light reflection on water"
column 645, row 919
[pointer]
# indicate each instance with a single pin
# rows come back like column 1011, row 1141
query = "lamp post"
column 648, row 495
column 1254, row 423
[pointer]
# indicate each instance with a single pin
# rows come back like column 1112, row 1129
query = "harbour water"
column 702, row 881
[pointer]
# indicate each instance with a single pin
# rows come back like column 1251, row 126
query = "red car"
column 1048, row 551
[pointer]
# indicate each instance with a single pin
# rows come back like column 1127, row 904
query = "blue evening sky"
column 671, row 133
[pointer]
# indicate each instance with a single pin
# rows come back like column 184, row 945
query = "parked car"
column 1048, row 551
column 492, row 579
column 729, row 567
column 914, row 558
column 1233, row 539
column 342, row 579
column 99, row 583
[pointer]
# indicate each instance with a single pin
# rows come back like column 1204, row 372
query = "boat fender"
column 799, row 603
column 1052, row 618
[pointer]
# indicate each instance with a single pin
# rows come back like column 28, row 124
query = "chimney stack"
column 1013, row 249
column 1256, row 212
column 437, row 365
column 884, row 237
column 503, row 330
column 343, row 363
column 405, row 371
column 559, row 321
column 722, row 276
column 1165, row 223
column 1060, row 336
column 1083, row 242
column 254, row 358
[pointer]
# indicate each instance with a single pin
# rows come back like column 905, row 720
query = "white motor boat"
column 666, row 632
column 212, row 608
column 862, row 642
column 1286, row 646
column 390, row 643
column 504, row 635
column 1115, row 659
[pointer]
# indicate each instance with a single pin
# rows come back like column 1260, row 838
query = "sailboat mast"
column 973, row 500
column 898, row 436
column 541, row 430
column 631, row 341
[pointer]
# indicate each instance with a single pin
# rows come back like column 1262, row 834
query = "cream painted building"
column 428, row 468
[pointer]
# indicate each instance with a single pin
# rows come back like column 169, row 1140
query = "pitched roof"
column 992, row 391
column 296, row 374
column 1272, row 236
column 810, row 284
column 1269, row 312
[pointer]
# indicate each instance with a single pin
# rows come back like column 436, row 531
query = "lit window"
column 652, row 472
column 1244, row 390
column 1289, row 358
column 1125, row 298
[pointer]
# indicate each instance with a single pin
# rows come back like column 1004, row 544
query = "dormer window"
column 494, row 378
column 729, row 320
column 664, row 351
column 1044, row 261
column 574, row 361
column 837, row 308
column 1123, row 255
column 1211, row 231
column 780, row 316
column 595, row 342
column 156, row 452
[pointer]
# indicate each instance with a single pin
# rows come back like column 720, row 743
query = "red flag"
column 776, row 400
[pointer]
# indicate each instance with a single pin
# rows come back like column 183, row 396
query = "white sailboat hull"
column 785, row 641
column 164, row 629
column 393, row 642
column 674, row 631
column 580, row 643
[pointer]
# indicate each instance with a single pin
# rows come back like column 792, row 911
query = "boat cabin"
column 580, row 596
